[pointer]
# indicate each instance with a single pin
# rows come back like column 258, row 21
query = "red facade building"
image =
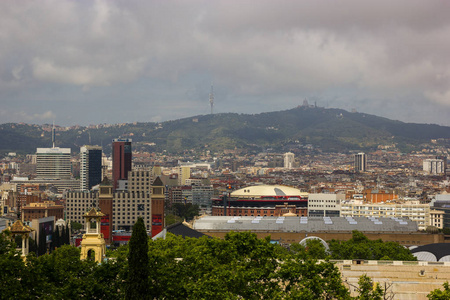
column 121, row 160
column 262, row 200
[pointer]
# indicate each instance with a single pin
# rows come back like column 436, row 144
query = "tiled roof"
column 94, row 213
column 19, row 227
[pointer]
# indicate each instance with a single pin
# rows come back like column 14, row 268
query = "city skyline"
column 121, row 62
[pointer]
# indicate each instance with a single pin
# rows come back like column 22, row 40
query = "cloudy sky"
column 91, row 62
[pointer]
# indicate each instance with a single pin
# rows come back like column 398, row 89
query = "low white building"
column 325, row 205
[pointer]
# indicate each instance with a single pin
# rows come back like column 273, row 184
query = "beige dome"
column 267, row 190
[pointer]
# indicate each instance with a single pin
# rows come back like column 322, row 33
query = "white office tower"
column 53, row 163
column 360, row 162
column 289, row 159
column 434, row 166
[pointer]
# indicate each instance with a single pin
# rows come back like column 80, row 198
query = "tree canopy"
column 186, row 211
column 360, row 247
column 240, row 266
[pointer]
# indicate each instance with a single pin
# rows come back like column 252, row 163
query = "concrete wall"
column 406, row 280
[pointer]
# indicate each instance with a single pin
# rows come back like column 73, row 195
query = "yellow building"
column 93, row 245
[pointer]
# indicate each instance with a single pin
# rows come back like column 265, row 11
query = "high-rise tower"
column 53, row 163
column 105, row 204
column 90, row 167
column 289, row 160
column 211, row 98
column 121, row 160
column 157, row 210
column 360, row 162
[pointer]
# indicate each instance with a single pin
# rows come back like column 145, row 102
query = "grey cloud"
column 262, row 52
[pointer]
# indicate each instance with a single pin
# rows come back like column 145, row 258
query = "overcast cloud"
column 91, row 62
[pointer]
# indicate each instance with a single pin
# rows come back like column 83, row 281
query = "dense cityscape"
column 289, row 197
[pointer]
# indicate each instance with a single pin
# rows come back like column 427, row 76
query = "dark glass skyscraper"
column 90, row 166
column 121, row 159
column 360, row 162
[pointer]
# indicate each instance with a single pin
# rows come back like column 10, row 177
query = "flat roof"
column 304, row 224
column 55, row 150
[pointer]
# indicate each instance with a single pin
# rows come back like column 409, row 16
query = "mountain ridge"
column 330, row 129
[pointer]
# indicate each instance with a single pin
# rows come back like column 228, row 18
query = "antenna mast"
column 53, row 135
column 211, row 98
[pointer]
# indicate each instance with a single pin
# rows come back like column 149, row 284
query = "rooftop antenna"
column 53, row 135
column 211, row 98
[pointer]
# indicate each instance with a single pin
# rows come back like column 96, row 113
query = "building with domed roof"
column 262, row 200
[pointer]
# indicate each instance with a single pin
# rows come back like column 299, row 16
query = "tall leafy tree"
column 67, row 235
column 186, row 210
column 56, row 238
column 12, row 269
column 42, row 245
column 137, row 283
column 76, row 226
column 368, row 290
column 33, row 248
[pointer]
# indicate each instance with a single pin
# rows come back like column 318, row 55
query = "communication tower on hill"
column 211, row 98
column 53, row 135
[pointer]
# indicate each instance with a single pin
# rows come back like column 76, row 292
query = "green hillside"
column 328, row 129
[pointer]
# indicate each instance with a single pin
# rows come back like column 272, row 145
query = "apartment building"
column 325, row 205
column 419, row 213
column 127, row 205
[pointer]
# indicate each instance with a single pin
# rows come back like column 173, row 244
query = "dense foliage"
column 360, row 247
column 241, row 266
column 438, row 294
column 186, row 211
column 238, row 267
